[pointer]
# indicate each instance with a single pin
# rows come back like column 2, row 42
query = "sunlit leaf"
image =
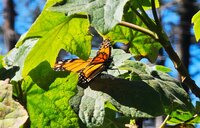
column 162, row 68
column 141, row 45
column 179, row 117
column 1, row 61
column 196, row 22
column 55, row 31
column 48, row 105
column 105, row 14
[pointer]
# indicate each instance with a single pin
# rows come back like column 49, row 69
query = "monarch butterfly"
column 90, row 68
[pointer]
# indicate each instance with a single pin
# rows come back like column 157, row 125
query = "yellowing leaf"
column 12, row 113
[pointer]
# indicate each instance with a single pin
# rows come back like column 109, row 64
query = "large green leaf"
column 171, row 92
column 47, row 48
column 55, row 31
column 105, row 14
column 196, row 22
column 141, row 45
column 12, row 113
column 47, row 95
column 96, row 111
column 48, row 104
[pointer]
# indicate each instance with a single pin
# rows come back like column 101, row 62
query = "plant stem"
column 164, row 122
column 141, row 17
column 138, row 28
column 145, row 18
column 155, row 13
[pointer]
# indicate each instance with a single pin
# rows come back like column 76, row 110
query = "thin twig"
column 138, row 28
column 164, row 122
column 144, row 17
column 155, row 13
column 141, row 17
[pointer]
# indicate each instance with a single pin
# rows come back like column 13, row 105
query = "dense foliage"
column 129, row 90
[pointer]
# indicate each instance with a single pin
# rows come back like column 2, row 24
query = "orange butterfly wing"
column 74, row 65
column 103, row 54
column 90, row 68
column 98, row 64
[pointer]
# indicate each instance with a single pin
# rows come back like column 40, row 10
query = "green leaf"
column 171, row 92
column 179, row 116
column 38, row 28
column 12, row 113
column 105, row 14
column 92, row 109
column 162, row 68
column 194, row 120
column 119, row 56
column 48, row 93
column 1, row 61
column 48, row 105
column 141, row 45
column 47, row 48
column 183, row 117
column 55, row 31
column 16, row 57
column 95, row 111
column 196, row 22
column 151, row 94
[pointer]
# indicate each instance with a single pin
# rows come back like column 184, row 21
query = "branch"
column 138, row 28
column 178, row 64
column 155, row 13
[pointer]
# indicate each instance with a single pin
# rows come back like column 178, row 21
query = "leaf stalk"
column 138, row 28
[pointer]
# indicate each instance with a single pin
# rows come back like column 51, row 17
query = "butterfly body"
column 90, row 68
